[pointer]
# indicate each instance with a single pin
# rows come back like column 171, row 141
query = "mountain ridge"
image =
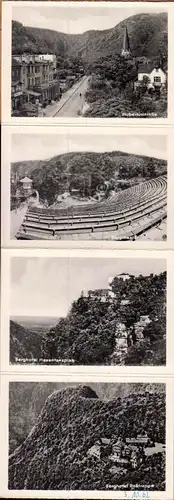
column 92, row 45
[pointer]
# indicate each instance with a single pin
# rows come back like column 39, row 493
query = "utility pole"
column 89, row 183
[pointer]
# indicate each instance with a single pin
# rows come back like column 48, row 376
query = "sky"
column 47, row 286
column 75, row 19
column 42, row 146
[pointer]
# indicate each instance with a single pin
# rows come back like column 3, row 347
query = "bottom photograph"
column 87, row 436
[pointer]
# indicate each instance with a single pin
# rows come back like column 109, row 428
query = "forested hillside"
column 120, row 169
column 88, row 335
column 54, row 455
column 147, row 33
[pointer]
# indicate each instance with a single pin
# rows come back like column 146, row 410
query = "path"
column 70, row 103
column 16, row 219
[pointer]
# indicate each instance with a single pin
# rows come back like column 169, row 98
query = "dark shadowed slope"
column 23, row 343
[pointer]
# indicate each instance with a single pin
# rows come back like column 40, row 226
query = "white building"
column 36, row 58
column 156, row 76
column 123, row 276
column 48, row 57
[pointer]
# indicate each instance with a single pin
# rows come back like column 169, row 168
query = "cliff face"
column 54, row 455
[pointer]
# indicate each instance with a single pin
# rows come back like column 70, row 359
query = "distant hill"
column 24, row 344
column 29, row 166
column 147, row 33
column 54, row 454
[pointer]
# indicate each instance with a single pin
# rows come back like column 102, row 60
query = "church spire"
column 126, row 45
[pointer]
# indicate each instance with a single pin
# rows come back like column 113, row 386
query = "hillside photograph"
column 85, row 61
column 88, row 311
column 99, row 436
column 88, row 186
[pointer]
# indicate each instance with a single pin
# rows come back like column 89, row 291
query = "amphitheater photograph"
column 88, row 186
column 88, row 310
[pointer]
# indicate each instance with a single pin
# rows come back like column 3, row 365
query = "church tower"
column 126, row 45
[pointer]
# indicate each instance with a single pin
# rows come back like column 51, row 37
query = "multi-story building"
column 34, row 79
column 16, row 85
column 119, row 453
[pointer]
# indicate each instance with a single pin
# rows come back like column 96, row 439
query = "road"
column 70, row 103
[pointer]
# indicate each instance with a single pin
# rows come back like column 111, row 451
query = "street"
column 71, row 103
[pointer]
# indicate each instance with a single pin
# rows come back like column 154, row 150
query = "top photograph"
column 109, row 61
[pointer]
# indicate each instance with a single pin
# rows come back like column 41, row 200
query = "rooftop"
column 147, row 68
column 26, row 179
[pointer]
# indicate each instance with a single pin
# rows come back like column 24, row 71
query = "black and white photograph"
column 96, row 436
column 104, row 61
column 88, row 311
column 88, row 186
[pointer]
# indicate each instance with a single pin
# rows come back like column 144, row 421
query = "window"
column 157, row 79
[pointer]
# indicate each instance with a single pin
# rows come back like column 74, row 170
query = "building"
column 125, row 455
column 154, row 77
column 126, row 45
column 48, row 57
column 16, row 85
column 140, row 439
column 26, row 186
column 121, row 454
column 35, row 78
column 102, row 294
column 124, row 276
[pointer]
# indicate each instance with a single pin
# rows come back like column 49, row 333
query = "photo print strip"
column 100, row 309
column 85, row 438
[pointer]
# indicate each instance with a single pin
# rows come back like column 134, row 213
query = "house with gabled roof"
column 154, row 76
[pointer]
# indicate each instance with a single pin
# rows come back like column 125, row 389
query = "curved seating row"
column 127, row 207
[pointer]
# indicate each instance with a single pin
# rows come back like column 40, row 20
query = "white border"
column 5, row 493
column 6, row 368
column 6, row 65
column 68, row 132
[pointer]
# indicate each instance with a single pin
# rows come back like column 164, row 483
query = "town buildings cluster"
column 122, row 453
column 34, row 80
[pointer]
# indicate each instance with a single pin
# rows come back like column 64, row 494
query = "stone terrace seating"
column 125, row 208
